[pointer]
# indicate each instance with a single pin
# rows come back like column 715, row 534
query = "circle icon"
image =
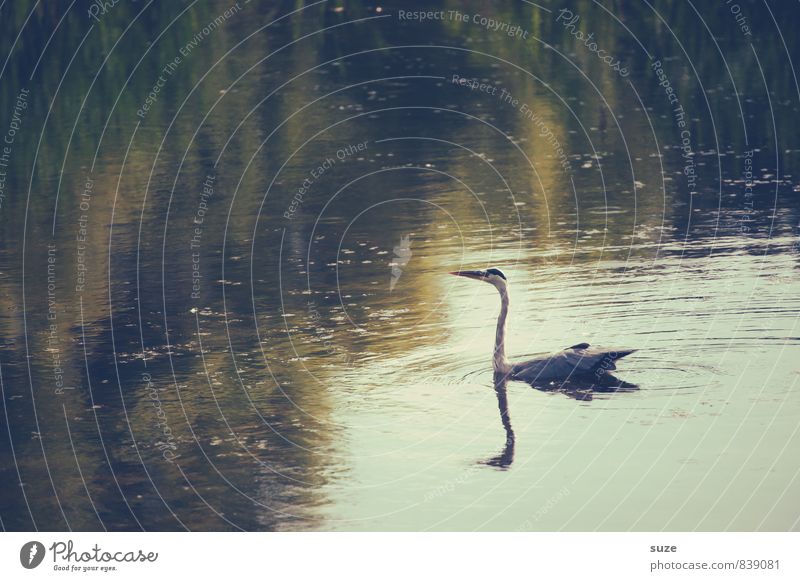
column 31, row 554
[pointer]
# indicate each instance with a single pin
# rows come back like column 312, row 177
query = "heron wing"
column 581, row 359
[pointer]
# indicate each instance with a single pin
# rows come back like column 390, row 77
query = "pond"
column 226, row 236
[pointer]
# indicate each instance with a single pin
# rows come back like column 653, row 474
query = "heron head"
column 493, row 276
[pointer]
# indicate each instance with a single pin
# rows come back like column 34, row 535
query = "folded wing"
column 576, row 361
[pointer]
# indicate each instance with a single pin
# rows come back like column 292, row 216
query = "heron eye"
column 497, row 272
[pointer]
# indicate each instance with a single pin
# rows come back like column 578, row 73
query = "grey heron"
column 578, row 362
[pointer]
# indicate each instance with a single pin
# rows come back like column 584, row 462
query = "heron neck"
column 500, row 361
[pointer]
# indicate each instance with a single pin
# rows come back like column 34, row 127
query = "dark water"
column 225, row 239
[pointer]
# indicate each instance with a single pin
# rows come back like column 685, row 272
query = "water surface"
column 228, row 307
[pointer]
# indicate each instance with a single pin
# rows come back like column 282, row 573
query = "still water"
column 226, row 233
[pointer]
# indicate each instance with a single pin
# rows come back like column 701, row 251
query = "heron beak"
column 476, row 274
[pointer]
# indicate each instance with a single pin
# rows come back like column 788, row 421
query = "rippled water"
column 711, row 421
column 233, row 356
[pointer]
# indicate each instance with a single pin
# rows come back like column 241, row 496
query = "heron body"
column 576, row 362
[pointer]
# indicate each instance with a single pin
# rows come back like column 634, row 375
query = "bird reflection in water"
column 579, row 389
column 506, row 457
column 585, row 388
